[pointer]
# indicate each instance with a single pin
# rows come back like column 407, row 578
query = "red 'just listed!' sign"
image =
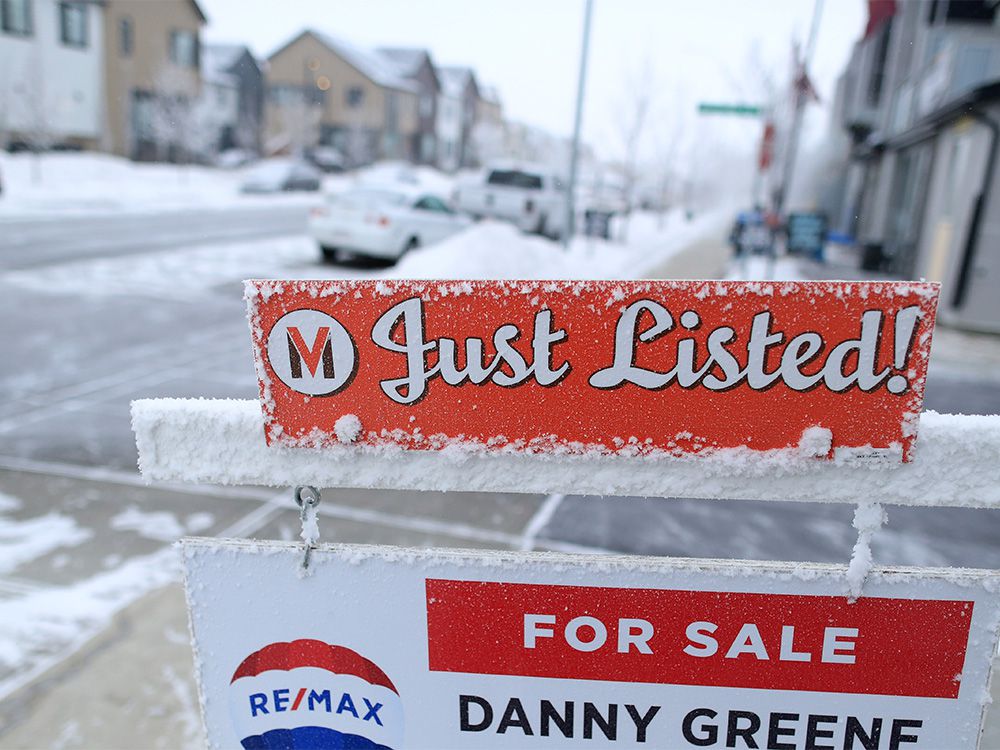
column 632, row 367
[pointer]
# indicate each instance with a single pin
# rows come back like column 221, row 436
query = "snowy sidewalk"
column 128, row 676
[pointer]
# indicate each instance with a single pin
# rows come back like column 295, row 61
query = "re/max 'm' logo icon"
column 321, row 349
column 311, row 352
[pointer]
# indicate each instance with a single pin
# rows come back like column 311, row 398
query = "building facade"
column 416, row 66
column 232, row 96
column 51, row 78
column 920, row 105
column 324, row 91
column 460, row 95
column 152, row 78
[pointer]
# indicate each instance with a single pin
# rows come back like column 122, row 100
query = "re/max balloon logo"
column 310, row 694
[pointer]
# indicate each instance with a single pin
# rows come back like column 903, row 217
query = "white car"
column 382, row 223
column 533, row 198
column 281, row 175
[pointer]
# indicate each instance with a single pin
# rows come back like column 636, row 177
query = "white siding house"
column 51, row 74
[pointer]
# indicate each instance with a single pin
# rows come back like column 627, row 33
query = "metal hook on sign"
column 868, row 518
column 307, row 498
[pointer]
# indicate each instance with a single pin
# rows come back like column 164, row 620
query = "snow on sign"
column 634, row 368
column 436, row 649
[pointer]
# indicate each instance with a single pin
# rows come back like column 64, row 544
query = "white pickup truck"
column 532, row 198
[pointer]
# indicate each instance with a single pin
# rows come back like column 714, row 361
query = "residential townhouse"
column 152, row 78
column 489, row 131
column 416, row 66
column 920, row 104
column 232, row 98
column 322, row 90
column 459, row 98
column 51, row 82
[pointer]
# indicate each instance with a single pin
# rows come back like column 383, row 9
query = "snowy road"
column 31, row 243
column 98, row 312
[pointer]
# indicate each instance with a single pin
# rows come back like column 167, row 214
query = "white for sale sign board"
column 390, row 648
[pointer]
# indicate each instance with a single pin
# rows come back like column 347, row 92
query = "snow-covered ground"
column 486, row 250
column 85, row 183
column 492, row 250
column 77, row 184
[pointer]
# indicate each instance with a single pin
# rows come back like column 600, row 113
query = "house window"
column 391, row 112
column 126, row 37
column 426, row 106
column 965, row 11
column 184, row 48
column 73, row 24
column 355, row 95
column 15, row 16
column 285, row 95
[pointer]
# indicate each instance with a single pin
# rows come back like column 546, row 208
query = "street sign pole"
column 574, row 158
column 801, row 96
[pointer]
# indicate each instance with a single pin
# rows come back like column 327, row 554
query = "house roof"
column 199, row 11
column 220, row 57
column 489, row 94
column 217, row 61
column 377, row 68
column 454, row 79
column 407, row 61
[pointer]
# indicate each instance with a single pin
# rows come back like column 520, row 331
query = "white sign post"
column 385, row 648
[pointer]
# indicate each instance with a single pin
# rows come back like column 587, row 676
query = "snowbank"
column 492, row 250
column 222, row 441
column 89, row 183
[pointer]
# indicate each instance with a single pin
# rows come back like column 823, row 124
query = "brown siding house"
column 416, row 65
column 322, row 90
column 152, row 77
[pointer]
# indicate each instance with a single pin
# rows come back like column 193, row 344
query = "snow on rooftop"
column 374, row 66
column 406, row 60
column 454, row 80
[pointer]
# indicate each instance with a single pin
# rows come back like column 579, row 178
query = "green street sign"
column 740, row 110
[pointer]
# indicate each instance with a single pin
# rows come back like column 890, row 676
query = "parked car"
column 277, row 175
column 234, row 158
column 327, row 159
column 382, row 223
column 533, row 198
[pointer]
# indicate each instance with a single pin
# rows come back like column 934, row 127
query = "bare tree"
column 180, row 124
column 357, row 145
column 30, row 114
column 296, row 124
column 246, row 133
column 634, row 109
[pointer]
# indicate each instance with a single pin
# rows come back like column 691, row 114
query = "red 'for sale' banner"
column 630, row 367
column 874, row 646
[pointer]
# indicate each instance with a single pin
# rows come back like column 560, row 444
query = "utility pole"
column 574, row 156
column 800, row 74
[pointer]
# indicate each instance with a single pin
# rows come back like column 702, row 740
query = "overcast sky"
column 685, row 50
